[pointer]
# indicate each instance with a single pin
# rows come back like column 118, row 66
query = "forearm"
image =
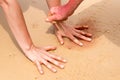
column 61, row 12
column 17, row 23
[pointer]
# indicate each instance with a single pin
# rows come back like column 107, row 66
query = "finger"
column 81, row 27
column 83, row 33
column 49, row 66
column 39, row 67
column 48, row 48
column 53, row 61
column 76, row 40
column 51, row 18
column 85, row 26
column 88, row 34
column 60, row 39
column 50, row 13
column 82, row 37
column 55, row 57
column 58, row 58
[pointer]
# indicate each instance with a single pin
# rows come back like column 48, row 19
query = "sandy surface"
column 98, row 60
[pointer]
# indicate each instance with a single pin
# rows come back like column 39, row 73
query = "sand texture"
column 98, row 60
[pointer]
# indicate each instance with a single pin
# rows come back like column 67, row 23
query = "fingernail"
column 54, row 70
column 62, row 66
column 77, row 42
column 89, row 39
column 65, row 60
column 81, row 44
column 41, row 72
column 61, row 42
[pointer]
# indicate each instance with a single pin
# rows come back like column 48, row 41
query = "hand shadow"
column 103, row 18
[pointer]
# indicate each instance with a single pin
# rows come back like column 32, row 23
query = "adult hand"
column 40, row 56
column 72, row 33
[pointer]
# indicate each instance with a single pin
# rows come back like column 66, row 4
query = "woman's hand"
column 72, row 33
column 40, row 56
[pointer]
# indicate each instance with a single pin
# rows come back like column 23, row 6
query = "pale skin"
column 38, row 55
column 60, row 13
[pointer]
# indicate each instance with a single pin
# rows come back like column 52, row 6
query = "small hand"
column 62, row 30
column 40, row 56
column 59, row 13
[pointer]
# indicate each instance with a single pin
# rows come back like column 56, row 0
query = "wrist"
column 27, row 51
column 26, row 47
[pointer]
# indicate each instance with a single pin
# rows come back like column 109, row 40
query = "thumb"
column 51, row 18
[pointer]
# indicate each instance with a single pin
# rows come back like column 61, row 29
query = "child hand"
column 40, row 56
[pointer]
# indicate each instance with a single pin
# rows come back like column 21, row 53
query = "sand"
column 97, row 60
